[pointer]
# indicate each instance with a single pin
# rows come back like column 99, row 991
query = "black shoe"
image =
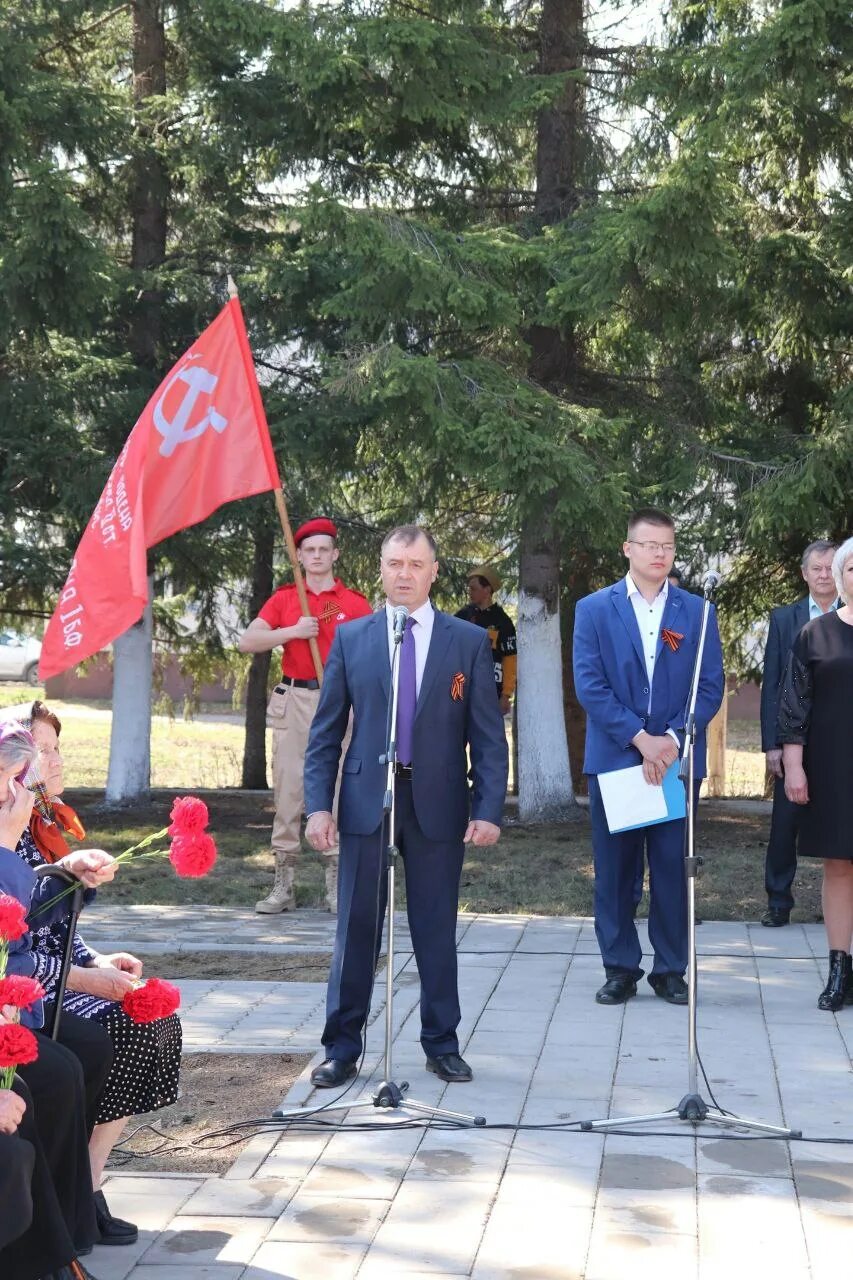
column 450, row 1067
column 617, row 990
column 332, row 1073
column 776, row 917
column 832, row 998
column 74, row 1271
column 670, row 987
column 848, row 979
column 113, row 1230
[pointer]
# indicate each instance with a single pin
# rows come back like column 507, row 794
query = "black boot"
column 848, row 979
column 832, row 996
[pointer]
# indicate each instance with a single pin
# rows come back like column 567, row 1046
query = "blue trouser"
column 432, row 872
column 616, row 859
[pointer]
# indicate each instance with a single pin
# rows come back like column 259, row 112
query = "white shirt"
column 815, row 610
column 421, row 631
column 649, row 618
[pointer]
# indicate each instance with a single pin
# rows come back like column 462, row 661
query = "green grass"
column 204, row 753
column 544, row 870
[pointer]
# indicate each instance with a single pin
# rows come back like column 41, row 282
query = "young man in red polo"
column 293, row 702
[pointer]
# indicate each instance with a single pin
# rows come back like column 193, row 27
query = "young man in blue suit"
column 446, row 706
column 634, row 649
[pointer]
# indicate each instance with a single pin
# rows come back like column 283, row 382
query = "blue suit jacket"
column 612, row 685
column 358, row 676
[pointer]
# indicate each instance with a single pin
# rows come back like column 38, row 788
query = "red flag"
column 201, row 441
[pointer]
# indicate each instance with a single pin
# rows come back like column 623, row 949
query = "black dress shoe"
column 670, row 987
column 776, row 917
column 113, row 1230
column 617, row 989
column 450, row 1067
column 333, row 1072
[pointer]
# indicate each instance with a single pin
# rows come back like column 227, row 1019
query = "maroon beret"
column 311, row 527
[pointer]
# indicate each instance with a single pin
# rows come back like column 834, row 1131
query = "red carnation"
column 192, row 855
column 20, row 991
column 151, row 1000
column 189, row 816
column 18, row 1045
column 13, row 919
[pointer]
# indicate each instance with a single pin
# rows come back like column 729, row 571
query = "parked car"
column 19, row 657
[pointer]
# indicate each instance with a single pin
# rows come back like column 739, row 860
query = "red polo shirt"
column 331, row 607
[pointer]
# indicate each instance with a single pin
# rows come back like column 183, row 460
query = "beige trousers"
column 289, row 715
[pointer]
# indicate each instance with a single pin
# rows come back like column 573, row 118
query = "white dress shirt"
column 649, row 618
column 424, row 616
column 815, row 610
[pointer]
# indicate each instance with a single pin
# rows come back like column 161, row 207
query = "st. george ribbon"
column 401, row 613
column 710, row 583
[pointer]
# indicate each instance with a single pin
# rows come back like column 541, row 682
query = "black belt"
column 297, row 684
column 403, row 770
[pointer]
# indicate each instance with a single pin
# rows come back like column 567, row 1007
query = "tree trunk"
column 130, row 734
column 255, row 744
column 130, row 740
column 545, row 781
column 151, row 182
column 575, row 716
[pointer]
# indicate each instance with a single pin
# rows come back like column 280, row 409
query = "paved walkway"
column 528, row 1204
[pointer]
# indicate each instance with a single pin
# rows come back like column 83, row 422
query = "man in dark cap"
column 293, row 702
column 483, row 582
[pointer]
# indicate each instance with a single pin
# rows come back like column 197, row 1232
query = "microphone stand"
column 389, row 1096
column 693, row 1108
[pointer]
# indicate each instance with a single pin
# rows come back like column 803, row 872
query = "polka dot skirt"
column 146, row 1064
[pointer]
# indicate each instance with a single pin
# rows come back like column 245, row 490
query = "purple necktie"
column 407, row 695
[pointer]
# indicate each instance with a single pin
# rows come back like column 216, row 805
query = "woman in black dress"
column 816, row 732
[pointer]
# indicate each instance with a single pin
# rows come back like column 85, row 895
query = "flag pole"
column 281, row 507
column 299, row 583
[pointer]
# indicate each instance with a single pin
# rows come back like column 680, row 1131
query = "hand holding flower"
column 92, row 867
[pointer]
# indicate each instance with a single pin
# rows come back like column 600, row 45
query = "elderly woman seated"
column 47, row 1211
column 146, row 1056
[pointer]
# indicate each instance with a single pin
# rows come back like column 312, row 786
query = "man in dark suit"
column 786, row 623
column 446, row 705
column 634, row 648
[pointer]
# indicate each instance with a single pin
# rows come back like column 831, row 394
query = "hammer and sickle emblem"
column 198, row 382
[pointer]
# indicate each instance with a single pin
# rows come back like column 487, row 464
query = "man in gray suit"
column 785, row 625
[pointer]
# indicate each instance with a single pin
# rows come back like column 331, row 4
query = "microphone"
column 401, row 613
column 710, row 583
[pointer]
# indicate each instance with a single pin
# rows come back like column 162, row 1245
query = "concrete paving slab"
column 290, row 1260
column 207, row 1241
column 249, row 1198
column 526, row 1204
column 329, row 1219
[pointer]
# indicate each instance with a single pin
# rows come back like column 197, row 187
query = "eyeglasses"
column 653, row 547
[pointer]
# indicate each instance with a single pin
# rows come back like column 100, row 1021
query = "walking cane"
column 75, row 907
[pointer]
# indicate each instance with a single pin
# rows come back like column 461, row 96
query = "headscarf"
column 51, row 818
